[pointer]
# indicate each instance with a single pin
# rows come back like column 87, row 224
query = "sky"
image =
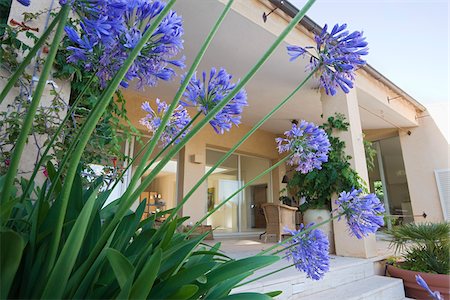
column 408, row 43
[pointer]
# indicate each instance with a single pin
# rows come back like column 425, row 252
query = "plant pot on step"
column 436, row 282
column 317, row 215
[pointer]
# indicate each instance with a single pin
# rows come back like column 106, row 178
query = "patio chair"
column 278, row 217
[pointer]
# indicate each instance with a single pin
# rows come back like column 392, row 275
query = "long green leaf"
column 121, row 266
column 11, row 245
column 223, row 289
column 185, row 292
column 236, row 268
column 247, row 296
column 144, row 282
column 63, row 268
column 185, row 276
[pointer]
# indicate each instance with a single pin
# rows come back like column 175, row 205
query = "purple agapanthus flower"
column 177, row 122
column 364, row 213
column 205, row 94
column 338, row 55
column 24, row 2
column 311, row 251
column 435, row 295
column 110, row 29
column 308, row 144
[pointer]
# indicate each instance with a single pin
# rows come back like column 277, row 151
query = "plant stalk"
column 54, row 137
column 220, row 105
column 28, row 122
column 292, row 237
column 140, row 169
column 268, row 170
column 238, row 144
column 90, row 125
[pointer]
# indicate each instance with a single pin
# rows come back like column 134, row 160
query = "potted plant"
column 424, row 250
column 316, row 188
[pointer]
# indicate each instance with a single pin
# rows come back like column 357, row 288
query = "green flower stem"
column 91, row 123
column 157, row 156
column 28, row 122
column 220, row 105
column 265, row 275
column 268, row 170
column 292, row 237
column 238, row 144
column 55, row 136
column 124, row 206
column 147, row 166
column 140, row 169
column 127, row 202
column 26, row 61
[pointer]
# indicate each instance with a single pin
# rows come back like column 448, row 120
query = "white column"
column 347, row 104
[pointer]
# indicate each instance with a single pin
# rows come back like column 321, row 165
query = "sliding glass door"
column 243, row 212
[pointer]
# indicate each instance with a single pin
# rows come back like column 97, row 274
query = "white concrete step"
column 343, row 270
column 371, row 288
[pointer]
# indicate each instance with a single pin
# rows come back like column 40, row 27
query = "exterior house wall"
column 424, row 151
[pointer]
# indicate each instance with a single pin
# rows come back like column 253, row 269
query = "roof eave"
column 291, row 10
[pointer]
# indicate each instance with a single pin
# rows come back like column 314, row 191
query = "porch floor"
column 362, row 274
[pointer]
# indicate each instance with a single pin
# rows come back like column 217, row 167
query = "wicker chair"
column 278, row 216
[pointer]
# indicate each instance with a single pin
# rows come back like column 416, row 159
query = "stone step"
column 372, row 288
column 343, row 270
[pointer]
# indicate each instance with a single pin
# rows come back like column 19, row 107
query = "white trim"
column 443, row 191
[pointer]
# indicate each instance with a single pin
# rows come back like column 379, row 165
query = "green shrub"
column 424, row 247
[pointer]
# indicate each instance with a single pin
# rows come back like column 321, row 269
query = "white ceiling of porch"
column 237, row 46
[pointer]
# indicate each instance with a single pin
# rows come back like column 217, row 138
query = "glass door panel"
column 252, row 216
column 221, row 184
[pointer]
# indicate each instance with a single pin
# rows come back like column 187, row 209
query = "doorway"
column 258, row 197
column 243, row 213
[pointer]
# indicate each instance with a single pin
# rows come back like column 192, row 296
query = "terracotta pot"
column 317, row 216
column 436, row 282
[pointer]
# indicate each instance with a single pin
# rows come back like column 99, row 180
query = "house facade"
column 412, row 155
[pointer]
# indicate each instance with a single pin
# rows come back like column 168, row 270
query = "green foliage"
column 370, row 153
column 425, row 246
column 336, row 175
column 140, row 261
column 111, row 131
column 113, row 128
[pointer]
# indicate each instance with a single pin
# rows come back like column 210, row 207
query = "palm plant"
column 425, row 246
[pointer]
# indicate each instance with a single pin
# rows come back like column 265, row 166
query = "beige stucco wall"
column 30, row 153
column 424, row 151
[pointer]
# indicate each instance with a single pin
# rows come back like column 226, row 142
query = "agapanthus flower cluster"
column 364, row 213
column 308, row 144
column 434, row 295
column 310, row 251
column 110, row 29
column 338, row 55
column 205, row 93
column 177, row 122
